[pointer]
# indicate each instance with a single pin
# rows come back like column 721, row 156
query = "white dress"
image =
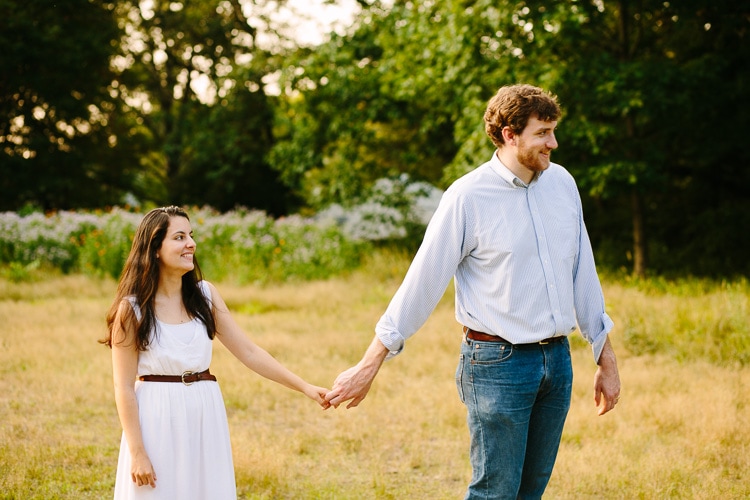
column 185, row 429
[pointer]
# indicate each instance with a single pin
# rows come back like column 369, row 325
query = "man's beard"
column 529, row 158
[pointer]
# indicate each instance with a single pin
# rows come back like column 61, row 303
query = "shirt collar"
column 508, row 176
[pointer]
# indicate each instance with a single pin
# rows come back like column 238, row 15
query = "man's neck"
column 507, row 157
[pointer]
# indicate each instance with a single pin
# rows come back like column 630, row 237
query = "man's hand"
column 607, row 381
column 354, row 383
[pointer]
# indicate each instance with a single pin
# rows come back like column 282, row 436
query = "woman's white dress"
column 184, row 427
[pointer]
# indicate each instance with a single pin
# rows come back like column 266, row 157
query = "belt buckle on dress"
column 187, row 374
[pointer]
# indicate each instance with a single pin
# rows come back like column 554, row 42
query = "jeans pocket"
column 460, row 378
column 486, row 353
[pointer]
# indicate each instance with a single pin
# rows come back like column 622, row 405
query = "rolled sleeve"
column 389, row 337
column 598, row 340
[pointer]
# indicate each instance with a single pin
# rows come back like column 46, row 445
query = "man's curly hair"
column 512, row 107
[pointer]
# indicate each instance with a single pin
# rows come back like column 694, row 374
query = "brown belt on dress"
column 486, row 337
column 186, row 378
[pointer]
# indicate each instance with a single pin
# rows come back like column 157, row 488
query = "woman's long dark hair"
column 140, row 279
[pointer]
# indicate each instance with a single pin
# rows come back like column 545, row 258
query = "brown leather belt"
column 186, row 378
column 486, row 337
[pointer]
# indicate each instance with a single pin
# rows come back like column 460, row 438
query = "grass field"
column 681, row 430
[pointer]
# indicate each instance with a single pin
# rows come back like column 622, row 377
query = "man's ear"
column 509, row 136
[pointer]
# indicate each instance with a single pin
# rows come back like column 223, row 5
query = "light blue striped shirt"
column 521, row 258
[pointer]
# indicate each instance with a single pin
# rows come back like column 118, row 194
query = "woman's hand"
column 317, row 394
column 141, row 471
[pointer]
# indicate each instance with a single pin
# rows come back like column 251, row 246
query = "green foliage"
column 55, row 126
column 51, row 239
column 394, row 212
column 241, row 245
column 16, row 272
column 248, row 246
column 643, row 89
column 104, row 249
column 224, row 162
column 356, row 116
column 658, row 86
column 194, row 76
column 167, row 102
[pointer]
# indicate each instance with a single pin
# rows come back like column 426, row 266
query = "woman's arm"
column 254, row 357
column 124, row 370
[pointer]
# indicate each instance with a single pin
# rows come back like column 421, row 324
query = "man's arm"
column 354, row 383
column 606, row 380
column 442, row 249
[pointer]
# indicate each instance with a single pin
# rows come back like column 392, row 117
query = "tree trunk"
column 640, row 255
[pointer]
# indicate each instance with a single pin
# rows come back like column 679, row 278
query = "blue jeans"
column 517, row 400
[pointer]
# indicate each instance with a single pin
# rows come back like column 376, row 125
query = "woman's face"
column 176, row 252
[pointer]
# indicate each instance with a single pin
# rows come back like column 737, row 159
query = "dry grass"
column 682, row 429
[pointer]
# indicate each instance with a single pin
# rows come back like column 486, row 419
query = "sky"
column 322, row 17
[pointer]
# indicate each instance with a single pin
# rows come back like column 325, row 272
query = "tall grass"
column 681, row 430
column 688, row 319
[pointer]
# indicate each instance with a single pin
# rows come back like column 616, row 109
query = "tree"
column 358, row 110
column 193, row 75
column 54, row 106
column 641, row 85
column 652, row 70
column 225, row 165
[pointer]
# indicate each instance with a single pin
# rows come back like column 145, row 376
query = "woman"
column 175, row 440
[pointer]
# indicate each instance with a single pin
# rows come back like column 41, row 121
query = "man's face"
column 535, row 144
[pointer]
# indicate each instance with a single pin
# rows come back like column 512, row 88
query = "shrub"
column 241, row 245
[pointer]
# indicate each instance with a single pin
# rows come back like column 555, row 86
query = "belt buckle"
column 544, row 342
column 187, row 374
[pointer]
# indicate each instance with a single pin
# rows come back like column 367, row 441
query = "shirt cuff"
column 597, row 345
column 393, row 341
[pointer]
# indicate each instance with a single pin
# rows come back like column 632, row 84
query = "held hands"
column 352, row 384
column 317, row 394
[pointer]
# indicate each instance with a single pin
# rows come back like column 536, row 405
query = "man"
column 511, row 233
